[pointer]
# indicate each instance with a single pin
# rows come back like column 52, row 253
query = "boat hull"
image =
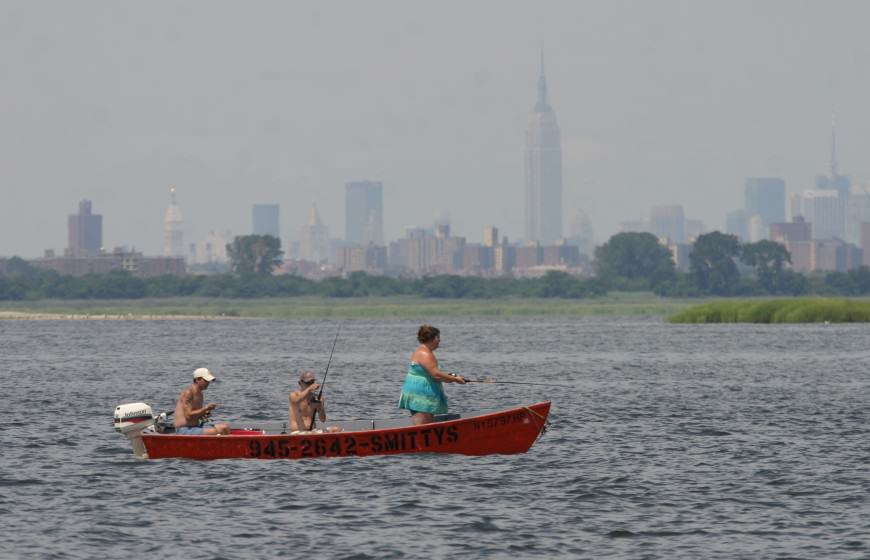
column 504, row 432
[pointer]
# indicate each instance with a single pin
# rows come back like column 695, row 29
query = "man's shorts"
column 192, row 430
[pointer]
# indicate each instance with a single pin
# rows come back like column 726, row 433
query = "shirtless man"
column 303, row 404
column 189, row 409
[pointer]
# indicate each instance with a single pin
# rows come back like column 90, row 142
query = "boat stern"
column 131, row 420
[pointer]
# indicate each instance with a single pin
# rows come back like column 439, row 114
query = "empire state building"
column 543, row 157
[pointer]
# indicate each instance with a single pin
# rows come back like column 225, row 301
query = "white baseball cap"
column 204, row 373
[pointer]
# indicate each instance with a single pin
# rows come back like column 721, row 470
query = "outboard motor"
column 131, row 420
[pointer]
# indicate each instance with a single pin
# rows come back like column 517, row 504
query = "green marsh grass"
column 805, row 310
column 616, row 304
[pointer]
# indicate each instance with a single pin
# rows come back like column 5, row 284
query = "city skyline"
column 235, row 112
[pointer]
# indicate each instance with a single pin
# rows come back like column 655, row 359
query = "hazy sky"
column 237, row 103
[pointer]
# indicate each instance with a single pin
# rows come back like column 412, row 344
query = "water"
column 715, row 441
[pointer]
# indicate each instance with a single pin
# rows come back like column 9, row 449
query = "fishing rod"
column 325, row 373
column 515, row 383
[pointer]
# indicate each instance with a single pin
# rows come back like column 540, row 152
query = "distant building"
column 765, row 197
column 529, row 256
column 680, row 255
column 796, row 230
column 865, row 242
column 857, row 213
column 364, row 212
column 795, row 205
column 173, row 228
column 490, row 236
column 371, row 259
column 694, row 229
column 757, row 229
column 826, row 206
column 560, row 255
column 478, row 260
column 736, row 224
column 824, row 255
column 424, row 252
column 131, row 261
column 632, row 226
column 825, row 210
column 212, row 250
column 85, row 231
column 581, row 233
column 543, row 171
column 265, row 220
column 314, row 245
column 668, row 222
column 504, row 258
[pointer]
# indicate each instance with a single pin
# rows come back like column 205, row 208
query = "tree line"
column 718, row 265
column 24, row 282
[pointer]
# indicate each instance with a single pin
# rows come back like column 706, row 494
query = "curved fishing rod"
column 325, row 373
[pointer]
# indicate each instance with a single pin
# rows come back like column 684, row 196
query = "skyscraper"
column 85, row 231
column 265, row 220
column 364, row 212
column 543, row 167
column 824, row 209
column 735, row 224
column 173, row 228
column 314, row 243
column 668, row 222
column 826, row 206
column 764, row 197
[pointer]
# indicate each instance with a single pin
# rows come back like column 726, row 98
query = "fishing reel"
column 204, row 419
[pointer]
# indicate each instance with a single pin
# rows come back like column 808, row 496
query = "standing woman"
column 422, row 392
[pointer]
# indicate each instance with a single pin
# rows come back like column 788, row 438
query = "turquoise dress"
column 422, row 392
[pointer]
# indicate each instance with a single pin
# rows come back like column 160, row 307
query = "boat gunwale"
column 477, row 416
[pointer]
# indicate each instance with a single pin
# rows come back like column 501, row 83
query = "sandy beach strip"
column 38, row 316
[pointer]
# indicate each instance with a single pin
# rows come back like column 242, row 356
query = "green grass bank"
column 317, row 307
column 803, row 310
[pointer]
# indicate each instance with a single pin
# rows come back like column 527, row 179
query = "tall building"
column 85, row 231
column 364, row 212
column 835, row 213
column 824, row 209
column 865, row 242
column 668, row 222
column 543, row 167
column 314, row 245
column 173, row 228
column 735, row 224
column 765, row 197
column 834, row 181
column 580, row 232
column 265, row 220
column 490, row 236
column 857, row 213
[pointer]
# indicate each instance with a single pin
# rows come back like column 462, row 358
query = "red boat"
column 502, row 432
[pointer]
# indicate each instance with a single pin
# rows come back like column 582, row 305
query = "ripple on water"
column 672, row 441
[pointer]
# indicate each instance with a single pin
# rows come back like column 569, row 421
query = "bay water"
column 665, row 441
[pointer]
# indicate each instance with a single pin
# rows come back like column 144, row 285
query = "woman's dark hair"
column 427, row 333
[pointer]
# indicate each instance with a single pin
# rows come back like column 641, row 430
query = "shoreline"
column 39, row 316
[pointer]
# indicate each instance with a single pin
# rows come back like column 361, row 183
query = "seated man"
column 304, row 404
column 190, row 415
